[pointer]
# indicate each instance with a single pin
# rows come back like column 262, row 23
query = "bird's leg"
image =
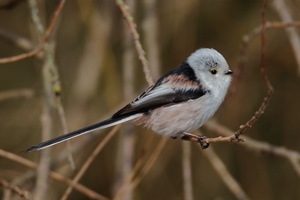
column 196, row 138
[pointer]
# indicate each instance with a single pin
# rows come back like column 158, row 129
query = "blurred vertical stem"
column 224, row 174
column 187, row 171
column 46, row 119
column 126, row 138
column 150, row 32
column 51, row 85
column 285, row 15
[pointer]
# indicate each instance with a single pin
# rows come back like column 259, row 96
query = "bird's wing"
column 160, row 95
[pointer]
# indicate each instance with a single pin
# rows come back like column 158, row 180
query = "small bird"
column 179, row 102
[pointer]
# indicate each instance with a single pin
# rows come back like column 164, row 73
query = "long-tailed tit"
column 179, row 102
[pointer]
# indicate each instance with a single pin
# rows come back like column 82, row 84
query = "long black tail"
column 100, row 125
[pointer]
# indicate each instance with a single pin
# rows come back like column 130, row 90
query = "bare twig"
column 224, row 174
column 42, row 43
column 89, row 161
column 19, row 41
column 284, row 13
column 63, row 121
column 244, row 47
column 256, row 116
column 137, row 165
column 187, row 171
column 9, row 4
column 145, row 169
column 291, row 156
column 125, row 10
column 46, row 118
column 19, row 180
column 150, row 31
column 44, row 162
column 15, row 189
column 13, row 94
column 81, row 188
column 263, row 49
column 266, row 100
column 126, row 138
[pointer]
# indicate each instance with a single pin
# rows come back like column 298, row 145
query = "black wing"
column 177, row 86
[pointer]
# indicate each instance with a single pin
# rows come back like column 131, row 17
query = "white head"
column 210, row 68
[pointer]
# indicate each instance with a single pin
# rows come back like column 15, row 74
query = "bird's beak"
column 229, row 72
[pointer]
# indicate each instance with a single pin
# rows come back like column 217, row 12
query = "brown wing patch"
column 180, row 81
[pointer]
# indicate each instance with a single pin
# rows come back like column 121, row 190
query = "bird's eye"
column 213, row 70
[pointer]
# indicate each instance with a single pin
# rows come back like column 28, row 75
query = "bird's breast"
column 182, row 117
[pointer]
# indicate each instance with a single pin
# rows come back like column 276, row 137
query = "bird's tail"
column 100, row 125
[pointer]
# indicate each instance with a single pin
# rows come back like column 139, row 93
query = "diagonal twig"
column 25, row 194
column 43, row 41
column 79, row 187
column 125, row 10
column 89, row 161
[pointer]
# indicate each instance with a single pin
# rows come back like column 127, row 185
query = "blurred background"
column 90, row 68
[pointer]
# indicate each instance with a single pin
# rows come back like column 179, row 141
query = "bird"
column 180, row 101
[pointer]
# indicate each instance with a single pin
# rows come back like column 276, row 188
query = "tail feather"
column 100, row 125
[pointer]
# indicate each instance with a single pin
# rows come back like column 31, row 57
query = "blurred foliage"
column 89, row 49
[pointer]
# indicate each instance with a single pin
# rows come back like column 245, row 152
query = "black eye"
column 213, row 71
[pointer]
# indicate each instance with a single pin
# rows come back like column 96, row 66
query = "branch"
column 42, row 43
column 89, row 161
column 262, row 147
column 17, row 40
column 25, row 194
column 81, row 188
column 147, row 166
column 12, row 94
column 187, row 172
column 225, row 175
column 293, row 36
column 128, row 17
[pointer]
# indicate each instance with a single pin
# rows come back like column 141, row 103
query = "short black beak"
column 229, row 72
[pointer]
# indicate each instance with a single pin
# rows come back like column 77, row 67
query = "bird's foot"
column 196, row 138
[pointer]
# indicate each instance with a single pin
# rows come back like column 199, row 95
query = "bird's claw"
column 202, row 142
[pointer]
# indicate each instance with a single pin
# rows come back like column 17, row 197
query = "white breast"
column 183, row 117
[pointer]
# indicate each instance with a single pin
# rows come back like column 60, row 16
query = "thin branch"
column 19, row 180
column 284, row 13
column 291, row 156
column 267, row 99
column 13, row 94
column 137, row 165
column 81, row 188
column 10, row 4
column 150, row 28
column 256, row 116
column 63, row 121
column 135, row 182
column 89, row 161
column 42, row 43
column 17, row 40
column 125, row 10
column 187, row 171
column 24, row 194
column 244, row 47
column 224, row 174
column 46, row 117
column 124, row 159
column 263, row 49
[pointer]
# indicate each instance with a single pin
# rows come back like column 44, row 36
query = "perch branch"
column 262, row 147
